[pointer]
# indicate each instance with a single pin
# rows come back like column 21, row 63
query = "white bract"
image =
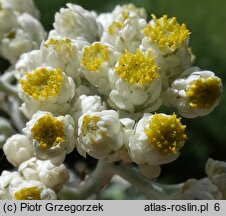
column 52, row 137
column 75, row 21
column 125, row 32
column 17, row 149
column 44, row 171
column 196, row 93
column 28, row 62
column 100, row 134
column 85, row 104
column 46, row 89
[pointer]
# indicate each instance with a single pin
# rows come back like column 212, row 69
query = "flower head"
column 100, row 134
column 202, row 93
column 75, row 21
column 96, row 61
column 44, row 171
column 135, row 82
column 166, row 33
column 157, row 139
column 52, row 137
column 124, row 32
column 197, row 93
column 42, row 83
column 17, row 149
column 47, row 89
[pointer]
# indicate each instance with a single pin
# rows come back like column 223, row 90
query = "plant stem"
column 9, row 89
column 98, row 179
column 140, row 182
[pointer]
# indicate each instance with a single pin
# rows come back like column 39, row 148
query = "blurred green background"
column 206, row 21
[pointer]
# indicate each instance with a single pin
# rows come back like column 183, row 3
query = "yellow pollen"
column 137, row 68
column 93, row 56
column 168, row 34
column 166, row 133
column 42, row 83
column 63, row 45
column 31, row 193
column 118, row 25
column 204, row 92
column 48, row 132
column 89, row 124
column 115, row 27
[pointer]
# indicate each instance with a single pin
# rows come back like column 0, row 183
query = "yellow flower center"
column 63, row 45
column 93, row 56
column 116, row 26
column 219, row 170
column 42, row 83
column 89, row 124
column 166, row 133
column 203, row 92
column 31, row 193
column 137, row 68
column 168, row 34
column 48, row 132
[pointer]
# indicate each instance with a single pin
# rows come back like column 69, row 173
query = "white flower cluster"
column 20, row 30
column 91, row 86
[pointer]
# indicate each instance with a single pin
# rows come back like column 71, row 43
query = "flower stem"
column 98, row 179
column 140, row 182
column 9, row 89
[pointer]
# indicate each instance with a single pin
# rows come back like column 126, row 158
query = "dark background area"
column 206, row 21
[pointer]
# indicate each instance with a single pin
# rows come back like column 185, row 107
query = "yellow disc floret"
column 166, row 133
column 30, row 193
column 42, row 83
column 204, row 92
column 138, row 68
column 59, row 45
column 94, row 55
column 89, row 124
column 168, row 34
column 48, row 131
column 115, row 27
